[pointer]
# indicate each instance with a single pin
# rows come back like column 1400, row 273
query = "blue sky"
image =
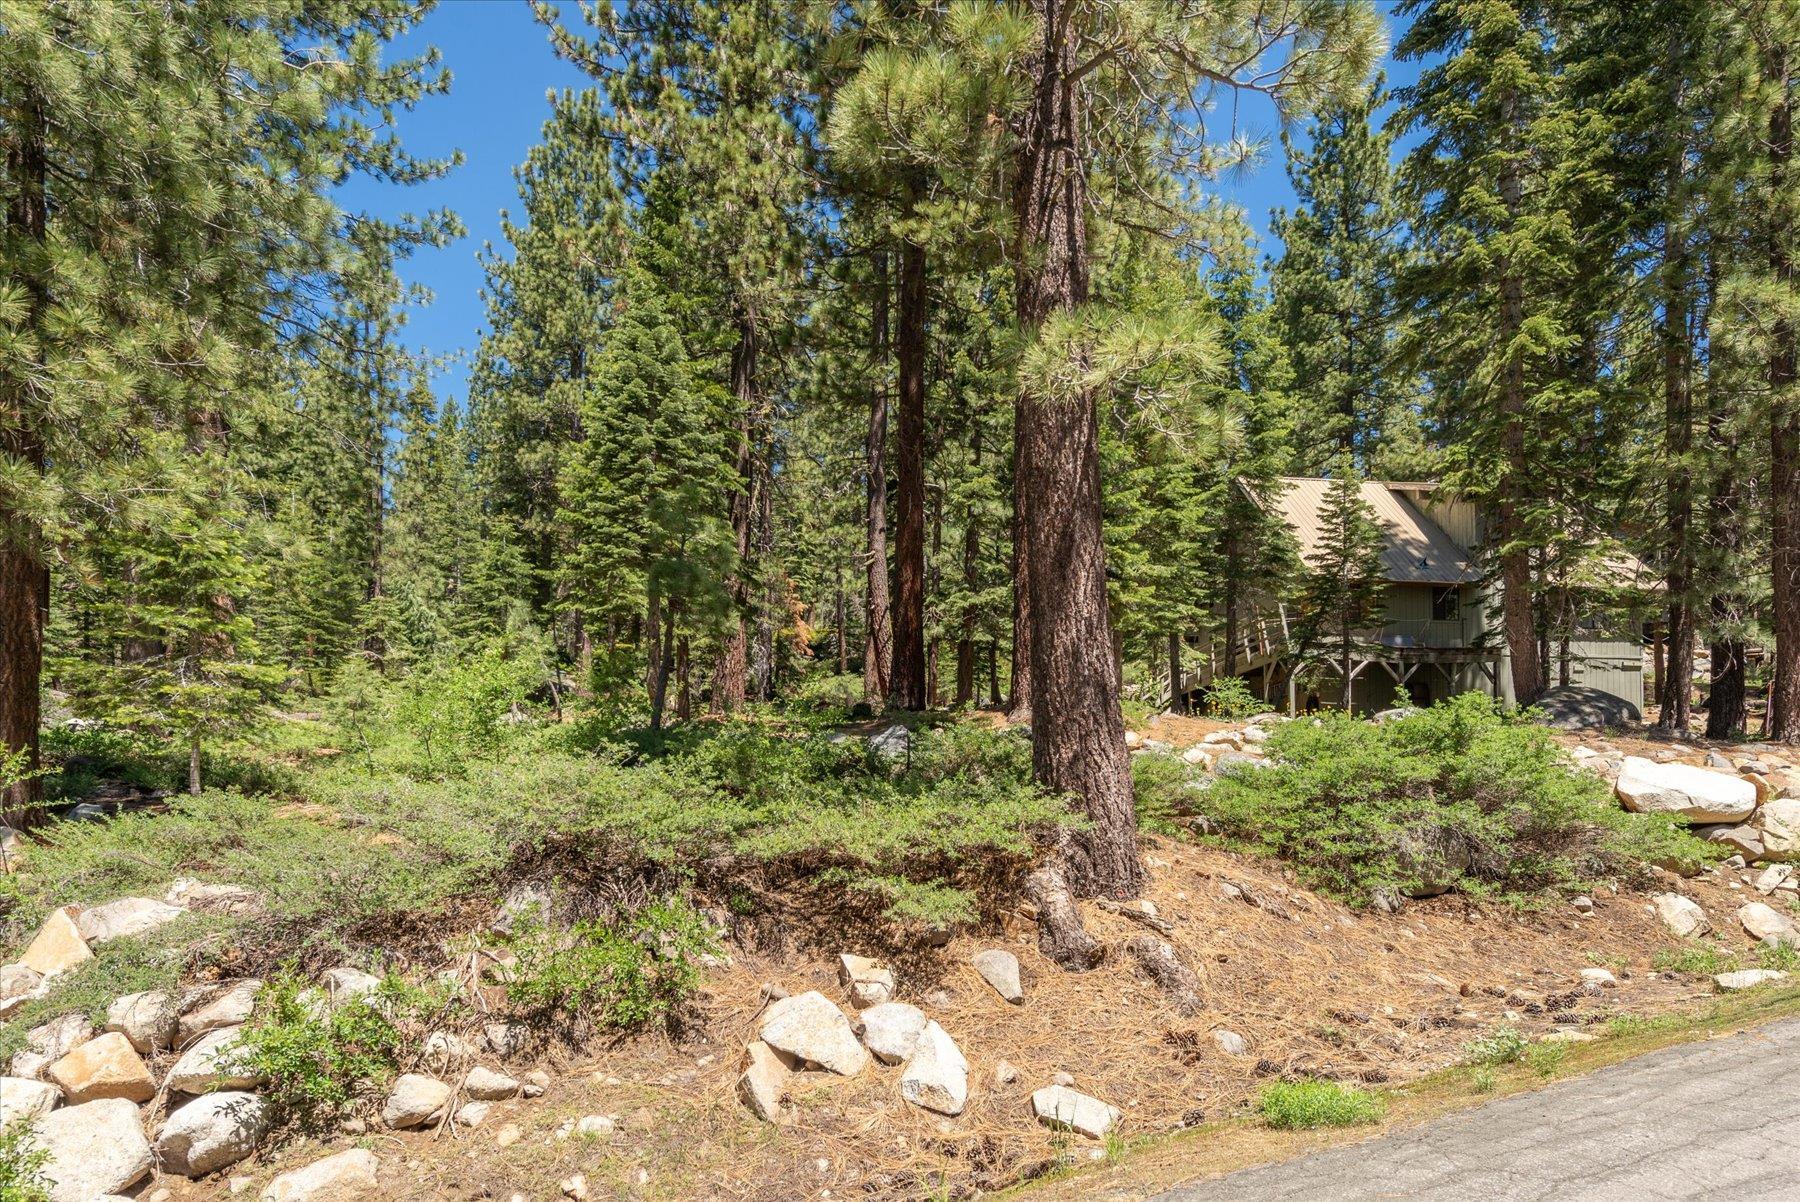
column 503, row 70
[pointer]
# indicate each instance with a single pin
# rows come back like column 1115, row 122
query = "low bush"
column 21, row 1165
column 1695, row 960
column 621, row 975
column 1462, row 794
column 318, row 1059
column 1230, row 698
column 1305, row 1105
column 1505, row 1045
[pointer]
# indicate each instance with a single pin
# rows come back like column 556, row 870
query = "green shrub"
column 622, row 976
column 1166, row 790
column 1461, row 794
column 318, row 1059
column 1505, row 1045
column 1545, row 1059
column 1695, row 960
column 21, row 1165
column 1304, row 1105
column 1228, row 697
column 1482, row 1079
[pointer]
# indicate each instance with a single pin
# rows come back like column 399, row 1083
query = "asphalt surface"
column 1718, row 1119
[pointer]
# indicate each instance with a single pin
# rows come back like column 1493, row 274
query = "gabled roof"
column 1415, row 549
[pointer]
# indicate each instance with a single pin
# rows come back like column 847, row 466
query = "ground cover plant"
column 1462, row 794
column 1304, row 1105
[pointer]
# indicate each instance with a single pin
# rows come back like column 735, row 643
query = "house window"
column 1446, row 604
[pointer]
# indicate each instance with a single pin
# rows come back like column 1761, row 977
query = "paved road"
column 1719, row 1119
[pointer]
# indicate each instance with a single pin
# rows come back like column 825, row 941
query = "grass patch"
column 1462, row 794
column 1505, row 1045
column 1696, row 960
column 1306, row 1105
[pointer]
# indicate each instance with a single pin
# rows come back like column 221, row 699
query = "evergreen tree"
column 1346, row 585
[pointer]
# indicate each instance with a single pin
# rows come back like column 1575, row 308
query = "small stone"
column 892, row 1030
column 240, row 1185
column 23, row 1098
column 146, row 1019
column 593, row 1126
column 869, row 983
column 346, row 1177
column 763, row 1083
column 505, row 1039
column 1773, row 877
column 1198, row 756
column 446, row 1053
column 473, row 1114
column 229, row 1007
column 1681, row 915
column 58, row 945
column 1060, row 1106
column 508, row 1135
column 892, row 743
column 216, row 1061
column 811, row 1028
column 211, row 1132
column 1000, row 968
column 937, row 1076
column 107, row 1067
column 1762, row 921
column 1748, row 978
column 1583, row 904
column 18, row 984
column 486, row 1085
column 575, row 1187
column 1598, row 976
column 1231, row 1043
column 1005, row 1073
column 345, row 984
column 414, row 1100
column 95, row 1148
column 1060, row 1077
column 46, row 1044
column 127, row 916
column 199, row 895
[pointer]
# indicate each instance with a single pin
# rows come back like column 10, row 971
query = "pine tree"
column 1334, row 304
column 1346, row 586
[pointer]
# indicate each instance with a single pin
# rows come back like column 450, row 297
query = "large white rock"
column 127, row 916
column 811, row 1028
column 1779, row 821
column 229, row 1007
column 937, row 1076
column 216, row 1061
column 19, row 985
column 763, row 1083
column 107, row 1067
column 1768, row 924
column 1681, row 915
column 98, row 1148
column 346, row 1177
column 58, row 945
column 1693, row 794
column 415, row 1099
column 1060, row 1106
column 892, row 1030
column 146, row 1019
column 46, row 1044
column 211, row 1132
column 1000, row 968
column 1747, row 978
column 23, row 1098
column 347, row 984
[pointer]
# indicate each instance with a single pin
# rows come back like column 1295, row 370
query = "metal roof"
column 1415, row 549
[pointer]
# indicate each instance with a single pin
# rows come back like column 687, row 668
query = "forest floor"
column 1314, row 989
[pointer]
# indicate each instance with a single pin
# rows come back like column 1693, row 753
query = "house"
column 1441, row 632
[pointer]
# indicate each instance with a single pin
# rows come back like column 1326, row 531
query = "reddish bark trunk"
column 909, row 687
column 1784, row 443
column 24, row 576
column 1018, row 702
column 878, row 638
column 1078, row 736
column 731, row 670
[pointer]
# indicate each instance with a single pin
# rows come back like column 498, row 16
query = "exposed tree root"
column 1165, row 968
column 1061, row 936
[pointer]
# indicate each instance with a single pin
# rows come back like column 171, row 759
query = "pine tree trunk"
column 684, row 695
column 1517, row 624
column 908, row 689
column 1784, row 439
column 878, row 637
column 770, row 598
column 655, row 674
column 1078, row 736
column 193, row 772
column 24, row 576
column 1177, row 698
column 731, row 671
column 840, row 615
column 1018, row 701
column 1678, row 437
